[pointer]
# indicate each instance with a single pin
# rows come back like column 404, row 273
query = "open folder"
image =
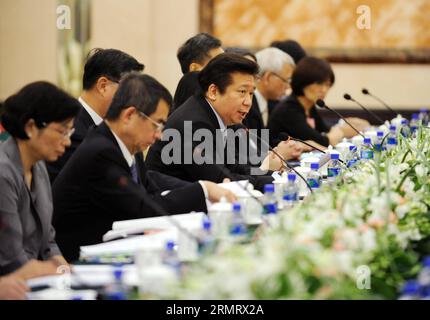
column 126, row 228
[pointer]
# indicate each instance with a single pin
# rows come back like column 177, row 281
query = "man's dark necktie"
column 134, row 174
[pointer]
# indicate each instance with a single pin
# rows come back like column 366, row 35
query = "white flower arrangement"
column 373, row 218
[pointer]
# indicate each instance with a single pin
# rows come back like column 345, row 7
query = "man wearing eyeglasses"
column 102, row 72
column 106, row 179
column 274, row 77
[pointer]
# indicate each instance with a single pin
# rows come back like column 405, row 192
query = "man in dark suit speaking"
column 104, row 181
column 227, row 84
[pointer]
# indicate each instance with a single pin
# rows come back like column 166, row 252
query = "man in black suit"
column 102, row 73
column 193, row 55
column 227, row 85
column 104, row 182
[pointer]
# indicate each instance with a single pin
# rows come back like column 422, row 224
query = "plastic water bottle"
column 352, row 159
column 270, row 206
column 170, row 256
column 117, row 290
column 424, row 275
column 314, row 177
column 392, row 138
column 379, row 138
column 207, row 242
column 404, row 128
column 423, row 116
column 333, row 167
column 238, row 229
column 366, row 152
column 410, row 291
column 414, row 123
column 291, row 194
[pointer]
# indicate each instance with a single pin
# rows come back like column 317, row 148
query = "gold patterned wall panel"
column 389, row 27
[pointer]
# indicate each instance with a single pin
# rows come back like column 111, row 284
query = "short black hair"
column 109, row 63
column 291, row 47
column 196, row 49
column 41, row 101
column 138, row 90
column 241, row 51
column 218, row 71
column 308, row 71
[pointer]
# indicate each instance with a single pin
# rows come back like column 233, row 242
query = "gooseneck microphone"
column 366, row 92
column 320, row 103
column 346, row 96
column 126, row 182
column 285, row 136
column 278, row 155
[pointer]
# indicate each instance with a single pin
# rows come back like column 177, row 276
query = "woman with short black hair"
column 297, row 115
column 39, row 119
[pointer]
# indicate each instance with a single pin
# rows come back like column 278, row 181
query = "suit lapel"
column 117, row 156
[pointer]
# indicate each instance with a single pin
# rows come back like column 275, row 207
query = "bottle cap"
column 269, row 188
column 380, row 134
column 315, row 165
column 334, row 156
column 367, row 140
column 170, row 245
column 236, row 207
column 291, row 177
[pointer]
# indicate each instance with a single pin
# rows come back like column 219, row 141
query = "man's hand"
column 215, row 192
column 12, row 287
column 289, row 149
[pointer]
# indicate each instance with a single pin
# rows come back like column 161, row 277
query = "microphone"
column 348, row 97
column 365, row 91
column 278, row 155
column 285, row 136
column 125, row 182
column 320, row 103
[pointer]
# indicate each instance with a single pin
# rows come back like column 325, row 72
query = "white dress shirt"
column 96, row 118
column 263, row 105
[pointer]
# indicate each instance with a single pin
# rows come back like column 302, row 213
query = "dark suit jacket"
column 83, row 122
column 289, row 117
column 187, row 87
column 90, row 194
column 197, row 110
column 26, row 231
column 254, row 119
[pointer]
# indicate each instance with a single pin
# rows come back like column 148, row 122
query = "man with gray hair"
column 276, row 68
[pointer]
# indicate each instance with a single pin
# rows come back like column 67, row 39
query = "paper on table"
column 123, row 229
column 85, row 275
column 158, row 222
column 131, row 245
column 238, row 190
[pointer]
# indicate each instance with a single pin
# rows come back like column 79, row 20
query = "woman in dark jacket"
column 297, row 114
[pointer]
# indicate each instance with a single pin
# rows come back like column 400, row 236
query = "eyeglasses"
column 65, row 134
column 286, row 81
column 158, row 126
